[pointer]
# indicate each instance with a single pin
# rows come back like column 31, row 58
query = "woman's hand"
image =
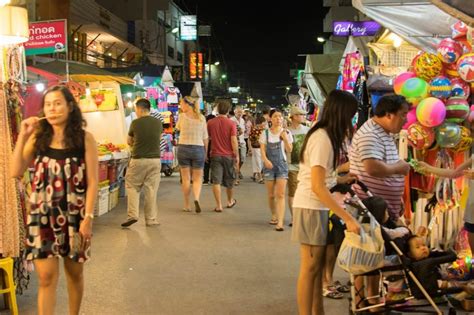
column 86, row 232
column 268, row 164
column 284, row 135
column 353, row 225
column 28, row 126
column 469, row 174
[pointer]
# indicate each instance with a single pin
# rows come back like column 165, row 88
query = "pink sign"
column 47, row 37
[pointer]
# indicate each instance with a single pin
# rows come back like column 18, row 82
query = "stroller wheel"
column 168, row 172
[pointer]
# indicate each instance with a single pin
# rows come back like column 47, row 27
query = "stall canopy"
column 460, row 9
column 419, row 22
column 321, row 74
column 81, row 72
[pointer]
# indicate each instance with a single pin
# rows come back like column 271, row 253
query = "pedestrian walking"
column 60, row 219
column 224, row 154
column 254, row 140
column 275, row 142
column 207, row 163
column 298, row 131
column 241, row 126
column 319, row 158
column 144, row 169
column 192, row 148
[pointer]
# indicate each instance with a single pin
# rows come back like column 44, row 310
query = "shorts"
column 310, row 227
column 292, row 183
column 279, row 171
column 192, row 156
column 469, row 227
column 242, row 152
column 222, row 171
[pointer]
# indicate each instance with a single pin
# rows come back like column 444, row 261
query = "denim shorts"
column 192, row 156
column 279, row 171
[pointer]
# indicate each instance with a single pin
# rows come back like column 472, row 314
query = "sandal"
column 217, row 210
column 332, row 294
column 232, row 204
column 261, row 181
column 341, row 287
column 186, row 210
column 279, row 229
column 197, row 206
column 273, row 222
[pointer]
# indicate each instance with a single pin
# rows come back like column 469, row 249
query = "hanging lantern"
column 14, row 27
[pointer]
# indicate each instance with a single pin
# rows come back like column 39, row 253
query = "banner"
column 47, row 37
column 362, row 28
column 196, row 66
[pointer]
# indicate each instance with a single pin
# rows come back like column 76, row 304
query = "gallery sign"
column 47, row 37
column 361, row 28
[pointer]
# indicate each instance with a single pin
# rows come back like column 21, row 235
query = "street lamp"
column 321, row 39
column 175, row 30
column 217, row 63
column 224, row 76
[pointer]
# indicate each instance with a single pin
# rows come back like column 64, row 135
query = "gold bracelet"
column 89, row 215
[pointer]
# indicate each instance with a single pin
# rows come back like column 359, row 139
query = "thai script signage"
column 361, row 28
column 196, row 66
column 47, row 37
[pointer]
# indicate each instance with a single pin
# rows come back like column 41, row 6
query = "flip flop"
column 197, row 206
column 186, row 210
column 232, row 204
column 273, row 222
column 217, row 210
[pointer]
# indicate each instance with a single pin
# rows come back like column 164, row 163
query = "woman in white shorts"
column 320, row 156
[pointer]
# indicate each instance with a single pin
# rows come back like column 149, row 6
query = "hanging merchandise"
column 353, row 64
column 172, row 95
column 362, row 95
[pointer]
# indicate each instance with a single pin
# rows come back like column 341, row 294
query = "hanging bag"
column 365, row 252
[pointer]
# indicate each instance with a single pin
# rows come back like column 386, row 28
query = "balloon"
column 428, row 66
column 451, row 70
column 449, row 50
column 448, row 135
column 466, row 141
column 460, row 88
column 411, row 118
column 465, row 66
column 457, row 110
column 420, row 137
column 459, row 29
column 440, row 87
column 415, row 89
column 431, row 112
column 400, row 79
column 470, row 118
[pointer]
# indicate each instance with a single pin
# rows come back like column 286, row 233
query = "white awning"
column 418, row 22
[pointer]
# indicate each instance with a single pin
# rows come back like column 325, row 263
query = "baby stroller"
column 167, row 154
column 407, row 271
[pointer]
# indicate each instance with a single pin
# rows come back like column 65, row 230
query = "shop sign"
column 188, row 27
column 361, row 28
column 46, row 37
column 196, row 66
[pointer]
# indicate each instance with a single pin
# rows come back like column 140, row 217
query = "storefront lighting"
column 217, row 63
column 321, row 39
column 4, row 2
column 129, row 94
column 123, row 59
column 141, row 82
column 110, row 54
column 396, row 40
column 224, row 76
column 175, row 30
column 14, row 27
column 76, row 39
column 40, row 86
column 287, row 88
column 129, row 104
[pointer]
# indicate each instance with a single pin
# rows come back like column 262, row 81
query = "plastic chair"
column 6, row 264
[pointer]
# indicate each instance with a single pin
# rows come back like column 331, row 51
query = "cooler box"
column 102, row 203
column 103, row 170
column 112, row 172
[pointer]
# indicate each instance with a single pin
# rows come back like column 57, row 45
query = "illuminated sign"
column 361, row 28
column 196, row 66
column 188, row 27
column 46, row 37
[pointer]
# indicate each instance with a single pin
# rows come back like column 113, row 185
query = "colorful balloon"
column 459, row 29
column 448, row 135
column 440, row 87
column 451, row 70
column 431, row 112
column 457, row 109
column 415, row 89
column 470, row 118
column 465, row 66
column 411, row 118
column 449, row 50
column 466, row 141
column 420, row 137
column 459, row 88
column 428, row 66
column 400, row 80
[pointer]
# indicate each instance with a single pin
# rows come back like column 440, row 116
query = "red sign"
column 47, row 37
column 196, row 66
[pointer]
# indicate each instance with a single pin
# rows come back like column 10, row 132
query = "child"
column 254, row 137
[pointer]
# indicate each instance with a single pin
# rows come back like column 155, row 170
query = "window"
column 170, row 52
column 179, row 56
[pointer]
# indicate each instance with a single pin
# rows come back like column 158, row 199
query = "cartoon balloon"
column 428, row 66
column 449, row 50
column 440, row 87
column 457, row 109
column 411, row 118
column 465, row 66
column 459, row 88
column 420, row 137
column 466, row 141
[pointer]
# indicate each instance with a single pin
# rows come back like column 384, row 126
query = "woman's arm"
column 24, row 147
column 286, row 140
column 92, row 173
column 441, row 172
column 318, row 186
column 266, row 162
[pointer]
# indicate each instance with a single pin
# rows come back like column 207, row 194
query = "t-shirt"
column 298, row 138
column 191, row 131
column 371, row 141
column 318, row 152
column 275, row 138
column 146, row 132
column 254, row 137
column 220, row 130
column 241, row 126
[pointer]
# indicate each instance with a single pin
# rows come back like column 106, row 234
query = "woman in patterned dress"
column 64, row 191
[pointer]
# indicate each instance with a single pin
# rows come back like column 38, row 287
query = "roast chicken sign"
column 46, row 37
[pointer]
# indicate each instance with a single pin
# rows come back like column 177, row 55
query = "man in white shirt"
column 238, row 111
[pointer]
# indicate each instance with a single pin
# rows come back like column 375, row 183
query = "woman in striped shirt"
column 192, row 148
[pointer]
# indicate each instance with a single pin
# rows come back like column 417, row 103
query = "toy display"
column 431, row 112
column 465, row 67
column 459, row 88
column 448, row 135
column 411, row 118
column 440, row 87
column 449, row 50
column 420, row 137
column 400, row 80
column 457, row 109
column 415, row 89
column 465, row 142
column 428, row 66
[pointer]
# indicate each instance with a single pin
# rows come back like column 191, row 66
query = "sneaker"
column 332, row 294
column 129, row 222
column 341, row 287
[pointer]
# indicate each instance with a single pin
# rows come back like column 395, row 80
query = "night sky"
column 260, row 40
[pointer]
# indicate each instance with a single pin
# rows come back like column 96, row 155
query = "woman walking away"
column 64, row 191
column 254, row 140
column 192, row 148
column 274, row 144
column 320, row 156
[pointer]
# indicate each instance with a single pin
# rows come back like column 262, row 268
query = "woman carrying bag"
column 320, row 156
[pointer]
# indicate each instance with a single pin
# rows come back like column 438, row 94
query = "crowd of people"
column 310, row 160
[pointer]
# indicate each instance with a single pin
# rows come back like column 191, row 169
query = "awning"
column 81, row 72
column 419, row 22
column 463, row 10
column 321, row 75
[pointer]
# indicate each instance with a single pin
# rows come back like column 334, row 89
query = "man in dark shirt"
column 144, row 169
column 224, row 154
